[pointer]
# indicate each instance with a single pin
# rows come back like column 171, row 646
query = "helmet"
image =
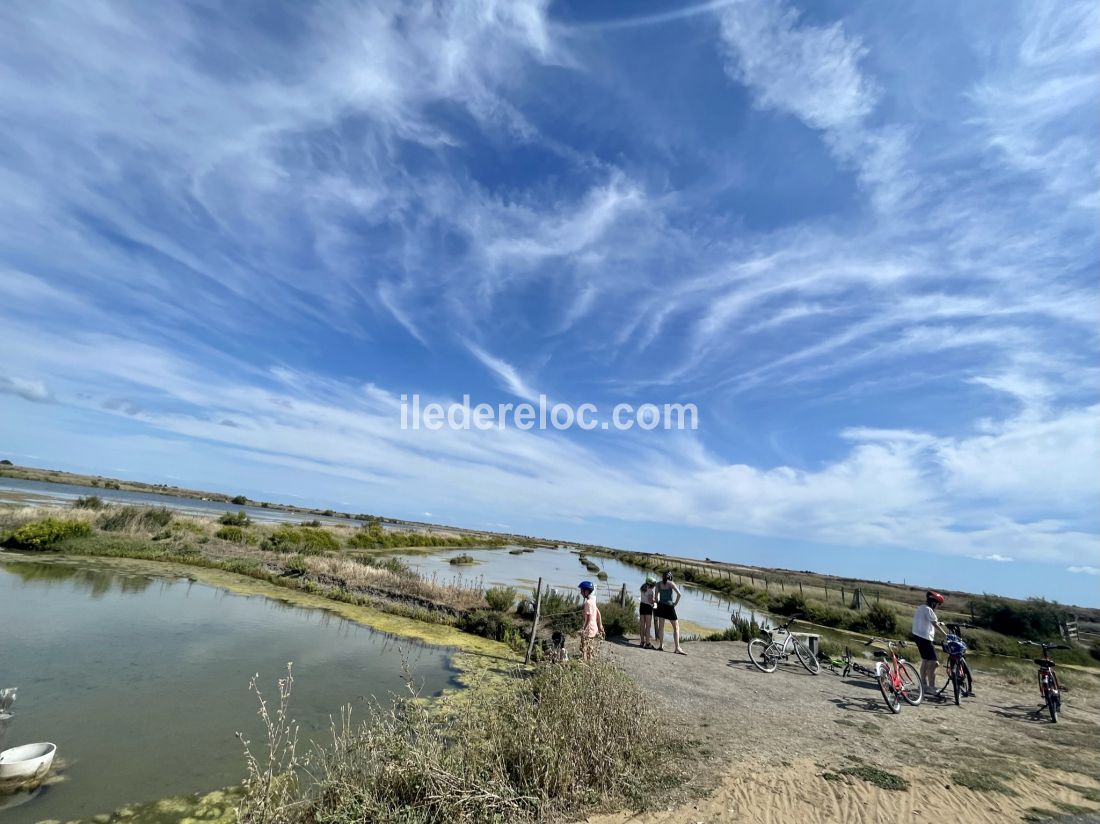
column 667, row 576
column 586, row 586
column 651, row 578
column 932, row 595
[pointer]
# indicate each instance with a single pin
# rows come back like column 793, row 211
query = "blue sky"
column 861, row 238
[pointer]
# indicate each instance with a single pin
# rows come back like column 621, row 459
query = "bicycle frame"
column 1049, row 690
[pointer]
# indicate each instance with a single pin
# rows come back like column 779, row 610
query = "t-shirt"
column 591, row 625
column 924, row 622
column 647, row 597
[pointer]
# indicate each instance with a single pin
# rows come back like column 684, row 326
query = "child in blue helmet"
column 592, row 628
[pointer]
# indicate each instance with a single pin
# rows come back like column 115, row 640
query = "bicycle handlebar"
column 1044, row 646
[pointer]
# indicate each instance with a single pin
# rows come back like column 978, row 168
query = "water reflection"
column 94, row 582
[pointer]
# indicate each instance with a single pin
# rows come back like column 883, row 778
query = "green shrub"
column 1034, row 619
column 462, row 559
column 231, row 533
column 491, row 624
column 303, row 539
column 89, row 502
column 239, row 500
column 502, row 599
column 562, row 611
column 620, row 619
column 881, row 619
column 239, row 519
column 295, row 565
column 45, row 533
column 136, row 518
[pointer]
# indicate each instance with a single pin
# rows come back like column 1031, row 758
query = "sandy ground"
column 775, row 746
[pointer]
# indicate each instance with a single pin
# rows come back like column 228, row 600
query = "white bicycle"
column 775, row 645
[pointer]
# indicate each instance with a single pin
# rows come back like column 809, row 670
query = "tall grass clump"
column 304, row 540
column 566, row 740
column 502, row 599
column 89, row 502
column 45, row 533
column 236, row 519
column 134, row 518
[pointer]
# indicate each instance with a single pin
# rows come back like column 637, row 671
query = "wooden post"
column 535, row 623
column 800, row 592
column 765, row 585
column 782, row 586
column 826, row 593
column 622, row 596
column 843, row 597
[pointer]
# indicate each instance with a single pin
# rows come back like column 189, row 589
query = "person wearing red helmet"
column 925, row 624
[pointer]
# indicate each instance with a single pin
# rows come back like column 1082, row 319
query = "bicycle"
column 898, row 680
column 851, row 665
column 1048, row 681
column 958, row 671
column 766, row 652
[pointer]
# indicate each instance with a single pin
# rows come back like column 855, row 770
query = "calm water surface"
column 142, row 681
column 561, row 569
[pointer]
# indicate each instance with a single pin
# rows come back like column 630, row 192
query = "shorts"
column 927, row 649
column 589, row 645
column 645, row 609
column 666, row 611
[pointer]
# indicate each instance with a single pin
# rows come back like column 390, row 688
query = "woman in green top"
column 668, row 596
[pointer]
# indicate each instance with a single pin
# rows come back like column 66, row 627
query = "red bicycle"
column 898, row 680
column 1048, row 680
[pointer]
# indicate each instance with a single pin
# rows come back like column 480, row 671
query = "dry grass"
column 561, row 741
column 356, row 573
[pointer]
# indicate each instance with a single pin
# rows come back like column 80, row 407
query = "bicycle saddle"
column 880, row 653
column 1044, row 662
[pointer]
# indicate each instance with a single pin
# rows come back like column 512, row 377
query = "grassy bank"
column 564, row 741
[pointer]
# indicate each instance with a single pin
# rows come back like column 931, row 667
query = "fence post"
column 800, row 592
column 622, row 596
column 781, row 586
column 843, row 597
column 535, row 623
column 765, row 585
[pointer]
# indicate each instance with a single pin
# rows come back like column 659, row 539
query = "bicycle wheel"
column 762, row 654
column 969, row 679
column 911, row 688
column 807, row 658
column 1052, row 705
column 888, row 694
column 956, row 681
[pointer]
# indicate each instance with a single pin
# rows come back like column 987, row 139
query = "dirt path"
column 795, row 748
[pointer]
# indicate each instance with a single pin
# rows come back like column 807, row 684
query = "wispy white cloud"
column 506, row 373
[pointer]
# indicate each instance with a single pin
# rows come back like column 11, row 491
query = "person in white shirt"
column 925, row 624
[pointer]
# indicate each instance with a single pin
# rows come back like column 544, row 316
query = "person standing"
column 668, row 596
column 925, row 624
column 592, row 628
column 645, row 615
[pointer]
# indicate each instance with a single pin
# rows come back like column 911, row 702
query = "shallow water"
column 142, row 681
column 562, row 570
